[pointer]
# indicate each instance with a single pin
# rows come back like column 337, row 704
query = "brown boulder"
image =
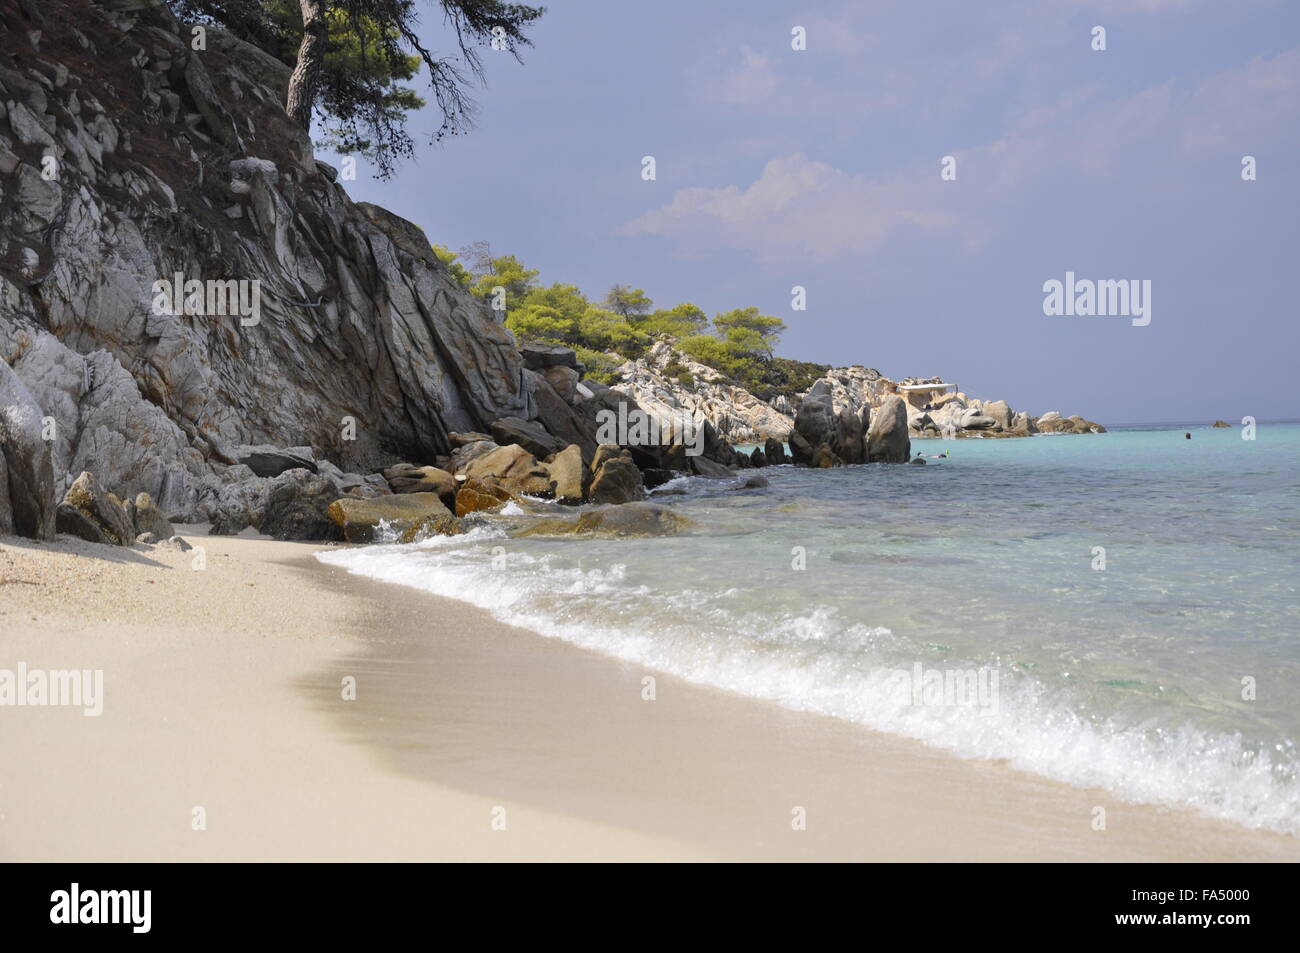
column 615, row 477
column 480, row 497
column 514, row 468
column 361, row 520
column 568, row 475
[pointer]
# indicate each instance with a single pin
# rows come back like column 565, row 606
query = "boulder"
column 363, row 521
column 887, row 439
column 630, row 519
column 297, row 507
column 466, row 453
column 703, row 466
column 1221, row 423
column 559, row 418
column 27, row 494
column 531, row 436
column 849, row 445
column 824, row 458
column 480, row 497
column 147, row 518
column 405, row 478
column 816, row 421
column 615, row 477
column 774, row 450
column 88, row 511
column 758, row 458
column 756, row 482
column 514, row 468
column 656, row 477
column 458, row 440
column 976, row 421
column 1001, row 413
column 564, row 381
column 568, row 475
column 538, row 357
column 800, row 450
column 268, row 461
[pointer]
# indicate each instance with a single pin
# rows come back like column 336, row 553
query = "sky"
column 821, row 168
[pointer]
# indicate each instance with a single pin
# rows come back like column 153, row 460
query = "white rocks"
column 736, row 414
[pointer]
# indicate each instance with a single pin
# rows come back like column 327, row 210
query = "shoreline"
column 234, row 704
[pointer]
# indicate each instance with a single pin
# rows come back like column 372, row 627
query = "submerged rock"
column 630, row 519
column 362, row 521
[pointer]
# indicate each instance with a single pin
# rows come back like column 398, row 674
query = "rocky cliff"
column 129, row 157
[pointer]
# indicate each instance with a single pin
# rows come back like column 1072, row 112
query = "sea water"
column 1131, row 598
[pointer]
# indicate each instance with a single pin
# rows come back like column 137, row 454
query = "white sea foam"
column 818, row 661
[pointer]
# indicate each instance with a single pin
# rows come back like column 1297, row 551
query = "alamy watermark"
column 66, row 688
column 945, row 687
column 1129, row 298
column 215, row 297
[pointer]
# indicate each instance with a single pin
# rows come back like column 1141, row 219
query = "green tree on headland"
column 351, row 59
column 739, row 343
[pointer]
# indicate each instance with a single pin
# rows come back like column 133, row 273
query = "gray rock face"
column 887, row 439
column 27, row 494
column 362, row 345
column 267, row 461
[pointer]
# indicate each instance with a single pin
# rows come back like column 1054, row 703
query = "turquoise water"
column 1137, row 677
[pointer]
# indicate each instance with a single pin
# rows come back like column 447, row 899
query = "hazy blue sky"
column 821, row 168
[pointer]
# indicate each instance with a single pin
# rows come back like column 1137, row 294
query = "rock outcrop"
column 354, row 343
column 615, row 477
column 658, row 382
column 887, row 439
column 27, row 494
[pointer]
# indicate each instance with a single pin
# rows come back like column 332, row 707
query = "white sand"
column 223, row 691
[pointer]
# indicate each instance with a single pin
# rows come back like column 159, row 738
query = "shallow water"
column 983, row 566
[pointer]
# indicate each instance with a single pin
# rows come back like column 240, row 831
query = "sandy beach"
column 467, row 739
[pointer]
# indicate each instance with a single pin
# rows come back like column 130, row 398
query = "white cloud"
column 799, row 206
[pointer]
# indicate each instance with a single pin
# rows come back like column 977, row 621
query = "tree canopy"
column 622, row 326
column 351, row 60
